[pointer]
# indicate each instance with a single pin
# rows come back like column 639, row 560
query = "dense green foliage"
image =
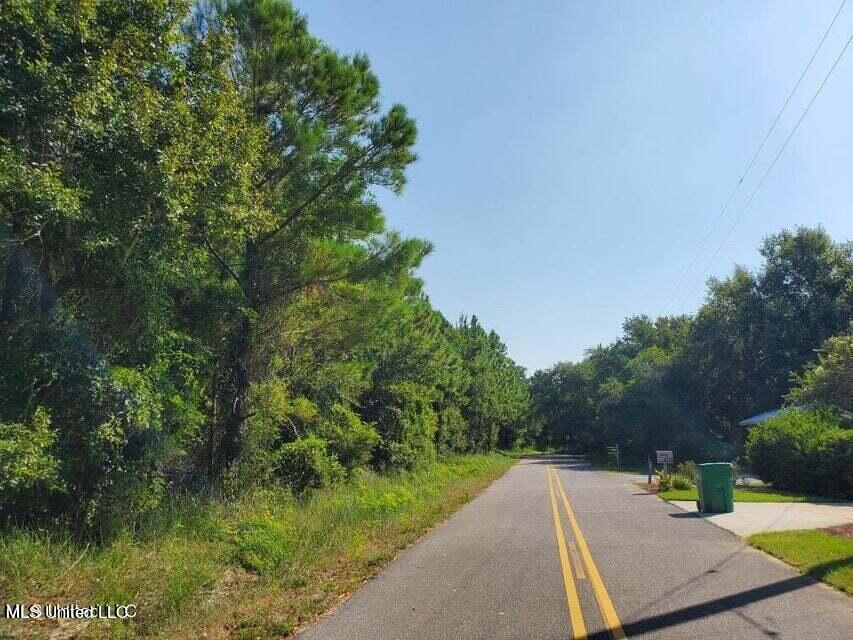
column 684, row 383
column 828, row 382
column 200, row 292
column 804, row 451
column 199, row 289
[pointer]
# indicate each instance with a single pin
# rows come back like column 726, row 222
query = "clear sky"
column 573, row 155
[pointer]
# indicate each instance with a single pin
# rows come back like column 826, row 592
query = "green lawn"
column 748, row 494
column 254, row 569
column 818, row 554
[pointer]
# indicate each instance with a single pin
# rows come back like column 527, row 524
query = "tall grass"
column 252, row 568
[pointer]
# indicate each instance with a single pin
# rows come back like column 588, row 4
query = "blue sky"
column 573, row 155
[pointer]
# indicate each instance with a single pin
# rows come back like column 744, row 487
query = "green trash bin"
column 714, row 482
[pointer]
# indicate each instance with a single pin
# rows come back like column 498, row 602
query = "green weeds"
column 254, row 568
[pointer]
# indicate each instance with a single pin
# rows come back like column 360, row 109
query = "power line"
column 722, row 213
column 770, row 168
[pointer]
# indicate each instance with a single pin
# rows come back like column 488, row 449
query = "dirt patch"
column 645, row 486
column 842, row 530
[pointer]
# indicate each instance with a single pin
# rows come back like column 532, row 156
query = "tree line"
column 200, row 289
column 779, row 335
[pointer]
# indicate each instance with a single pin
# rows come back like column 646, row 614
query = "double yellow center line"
column 608, row 613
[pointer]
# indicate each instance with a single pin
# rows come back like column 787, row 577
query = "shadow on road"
column 725, row 604
column 562, row 460
column 721, row 605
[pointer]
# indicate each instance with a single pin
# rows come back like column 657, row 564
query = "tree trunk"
column 13, row 283
column 240, row 366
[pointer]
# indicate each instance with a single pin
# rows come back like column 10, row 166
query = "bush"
column 686, row 469
column 306, row 464
column 681, row 482
column 803, row 451
column 451, row 436
column 349, row 438
column 264, row 543
column 396, row 456
column 669, row 481
column 407, row 424
column 105, row 444
column 664, row 480
column 833, row 456
column 27, row 466
column 276, row 416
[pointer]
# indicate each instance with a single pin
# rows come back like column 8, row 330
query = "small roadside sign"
column 614, row 451
column 665, row 457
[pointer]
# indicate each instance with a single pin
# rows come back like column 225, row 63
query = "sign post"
column 614, row 451
column 666, row 458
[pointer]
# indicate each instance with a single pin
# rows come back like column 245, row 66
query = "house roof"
column 759, row 418
column 762, row 417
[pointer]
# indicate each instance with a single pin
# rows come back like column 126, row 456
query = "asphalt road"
column 614, row 562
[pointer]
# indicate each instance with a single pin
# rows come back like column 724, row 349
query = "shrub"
column 803, row 451
column 264, row 543
column 272, row 411
column 306, row 464
column 105, row 443
column 664, row 480
column 27, row 466
column 686, row 469
column 668, row 481
column 399, row 456
column 451, row 436
column 407, row 423
column 349, row 438
column 278, row 416
column 681, row 482
column 833, row 457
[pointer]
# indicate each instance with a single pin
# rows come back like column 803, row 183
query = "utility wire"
column 722, row 213
column 769, row 169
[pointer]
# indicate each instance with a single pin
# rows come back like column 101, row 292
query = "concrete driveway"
column 757, row 517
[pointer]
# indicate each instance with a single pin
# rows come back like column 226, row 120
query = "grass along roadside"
column 256, row 568
column 747, row 494
column 824, row 556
